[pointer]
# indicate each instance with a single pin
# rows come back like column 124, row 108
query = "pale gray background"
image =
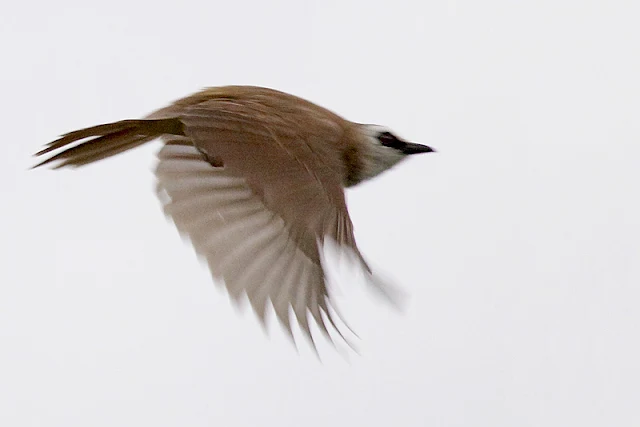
column 519, row 242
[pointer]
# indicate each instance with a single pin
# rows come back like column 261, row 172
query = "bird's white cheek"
column 379, row 159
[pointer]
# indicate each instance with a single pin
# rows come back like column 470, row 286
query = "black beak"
column 413, row 148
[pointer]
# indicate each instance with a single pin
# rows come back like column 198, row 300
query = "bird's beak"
column 413, row 148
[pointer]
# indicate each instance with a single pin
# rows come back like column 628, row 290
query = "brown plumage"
column 255, row 178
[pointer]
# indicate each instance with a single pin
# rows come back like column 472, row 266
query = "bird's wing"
column 259, row 219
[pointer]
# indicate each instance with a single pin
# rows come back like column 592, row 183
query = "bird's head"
column 380, row 149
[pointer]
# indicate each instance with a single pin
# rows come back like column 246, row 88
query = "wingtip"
column 388, row 291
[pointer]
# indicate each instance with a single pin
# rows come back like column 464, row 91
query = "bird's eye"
column 390, row 140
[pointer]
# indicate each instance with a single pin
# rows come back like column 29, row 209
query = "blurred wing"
column 246, row 243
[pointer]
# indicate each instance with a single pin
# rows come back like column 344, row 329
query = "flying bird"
column 255, row 178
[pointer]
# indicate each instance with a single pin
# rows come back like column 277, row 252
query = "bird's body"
column 255, row 178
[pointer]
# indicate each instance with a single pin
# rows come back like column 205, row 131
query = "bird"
column 255, row 178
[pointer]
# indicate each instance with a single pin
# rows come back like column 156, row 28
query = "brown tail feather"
column 107, row 140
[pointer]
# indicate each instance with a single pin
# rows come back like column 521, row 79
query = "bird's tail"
column 102, row 141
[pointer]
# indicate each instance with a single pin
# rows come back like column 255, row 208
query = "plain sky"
column 518, row 243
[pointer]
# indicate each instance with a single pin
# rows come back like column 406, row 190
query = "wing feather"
column 247, row 244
